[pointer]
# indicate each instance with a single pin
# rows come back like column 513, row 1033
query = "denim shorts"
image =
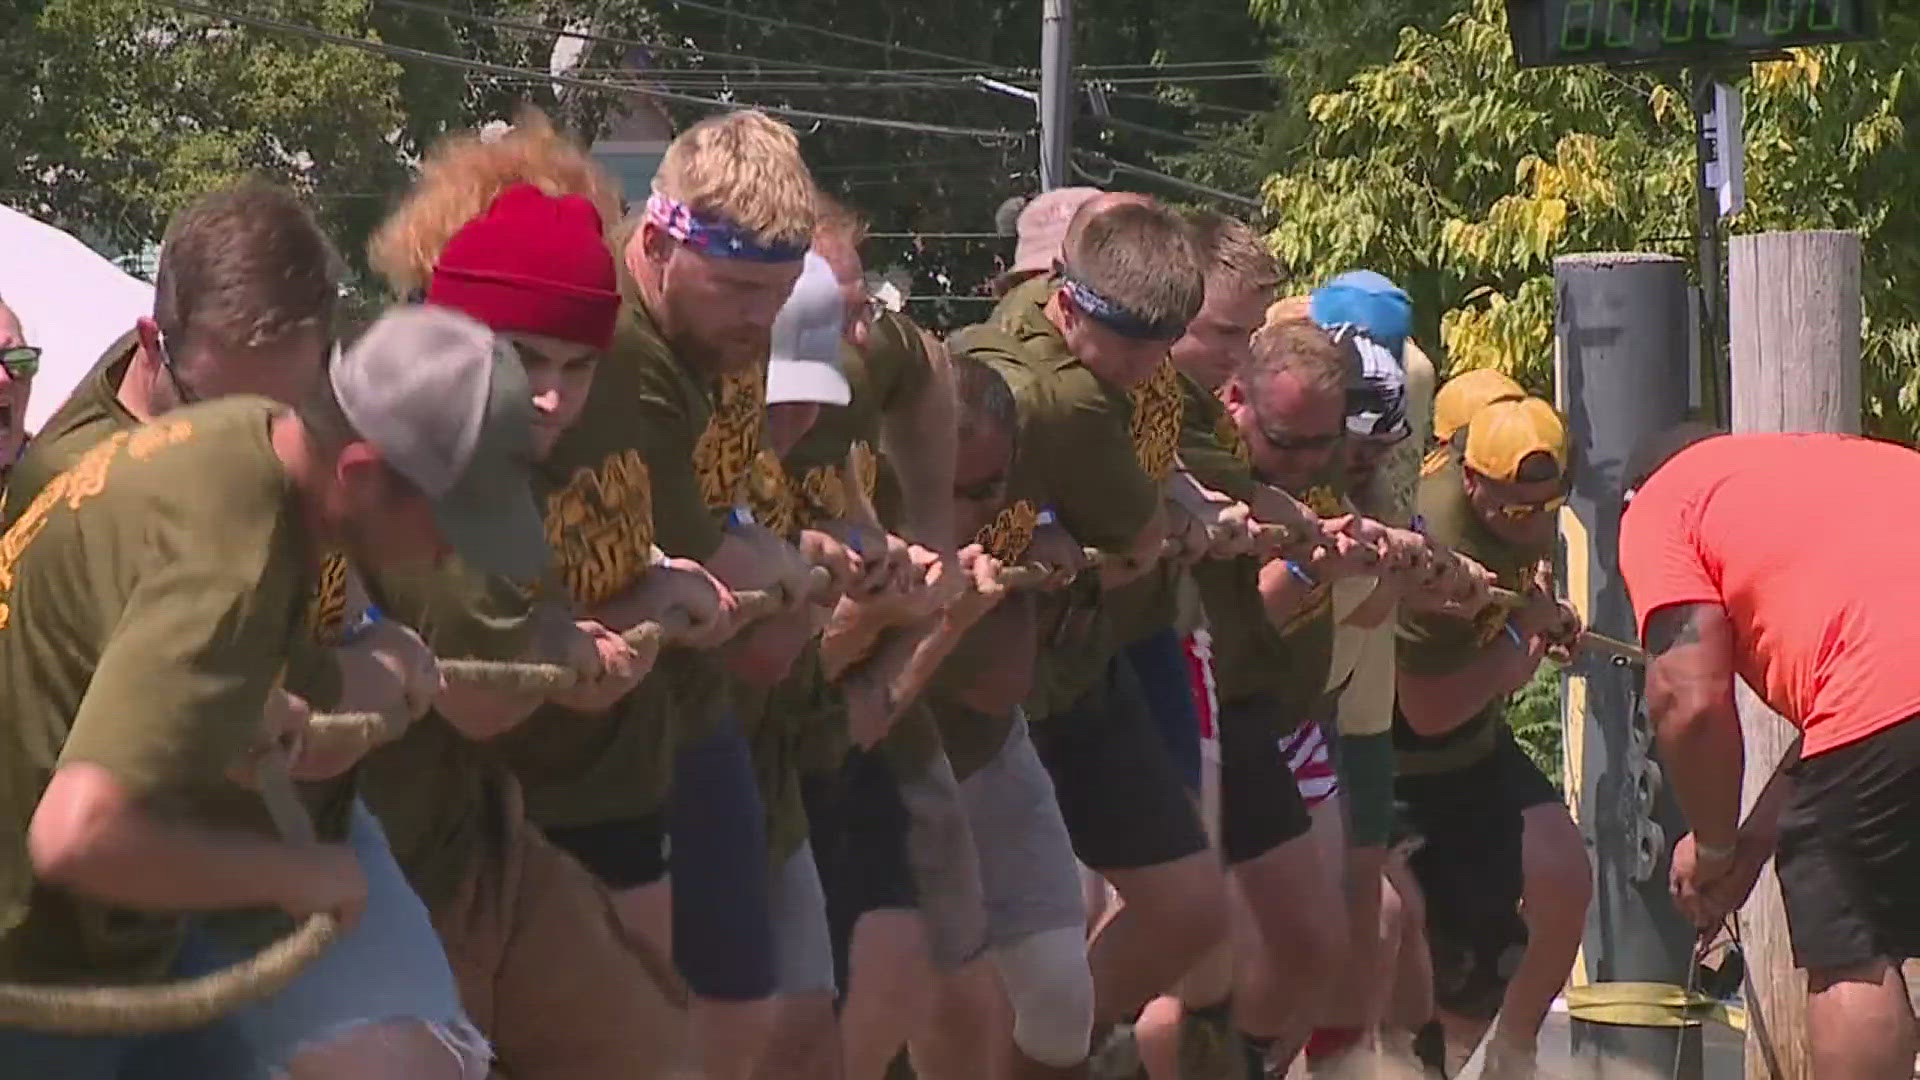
column 389, row 967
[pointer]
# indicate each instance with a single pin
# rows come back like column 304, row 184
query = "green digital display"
column 1547, row 32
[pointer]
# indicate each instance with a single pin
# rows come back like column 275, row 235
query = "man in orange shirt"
column 1725, row 583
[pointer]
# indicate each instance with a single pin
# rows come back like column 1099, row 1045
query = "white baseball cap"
column 804, row 365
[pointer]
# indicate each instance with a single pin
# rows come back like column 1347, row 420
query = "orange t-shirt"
column 1808, row 542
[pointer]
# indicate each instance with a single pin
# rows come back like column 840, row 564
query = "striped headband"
column 716, row 236
column 1116, row 317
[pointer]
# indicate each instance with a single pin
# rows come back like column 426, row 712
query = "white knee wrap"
column 1051, row 990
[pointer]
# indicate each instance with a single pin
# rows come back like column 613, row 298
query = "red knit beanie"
column 532, row 263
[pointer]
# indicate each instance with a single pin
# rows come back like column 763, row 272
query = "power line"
column 1131, row 80
column 635, row 43
column 403, row 52
column 788, row 24
column 1114, row 166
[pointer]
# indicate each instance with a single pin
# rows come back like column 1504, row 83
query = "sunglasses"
column 1523, row 511
column 1297, row 444
column 20, row 361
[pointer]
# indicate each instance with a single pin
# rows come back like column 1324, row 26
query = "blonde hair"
column 746, row 167
column 461, row 177
column 1231, row 253
column 1291, row 309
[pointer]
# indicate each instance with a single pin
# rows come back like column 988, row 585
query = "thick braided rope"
column 142, row 1010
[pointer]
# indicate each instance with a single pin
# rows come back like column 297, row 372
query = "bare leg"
column 395, row 1050
column 726, row 1038
column 889, row 991
column 805, row 1042
column 1294, row 896
column 1860, row 1023
column 1170, row 915
column 1558, row 885
column 970, row 1029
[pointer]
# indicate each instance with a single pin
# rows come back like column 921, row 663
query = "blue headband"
column 1115, row 317
column 716, row 236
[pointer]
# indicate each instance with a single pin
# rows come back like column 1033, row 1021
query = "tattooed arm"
column 1690, row 703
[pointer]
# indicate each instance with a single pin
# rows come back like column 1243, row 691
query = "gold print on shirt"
column 157, row 436
column 866, row 467
column 1227, row 434
column 1157, row 404
column 823, row 494
column 1325, row 502
column 327, row 609
column 600, row 527
column 771, row 497
column 1012, row 530
column 87, row 478
column 724, row 455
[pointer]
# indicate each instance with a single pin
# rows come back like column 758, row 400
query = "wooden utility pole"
column 1794, row 306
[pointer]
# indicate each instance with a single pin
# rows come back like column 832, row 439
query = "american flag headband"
column 1377, row 406
column 1113, row 316
column 716, row 236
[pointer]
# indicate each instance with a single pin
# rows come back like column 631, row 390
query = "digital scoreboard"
column 1553, row 32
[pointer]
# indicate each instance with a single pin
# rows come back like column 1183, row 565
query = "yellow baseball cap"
column 1503, row 435
column 1467, row 393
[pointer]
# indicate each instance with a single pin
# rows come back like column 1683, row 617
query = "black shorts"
column 857, row 823
column 1119, row 791
column 1469, row 867
column 1260, row 803
column 1849, row 853
column 624, row 854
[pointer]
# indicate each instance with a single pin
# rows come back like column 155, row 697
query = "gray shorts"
column 946, row 872
column 1028, row 875
column 802, row 937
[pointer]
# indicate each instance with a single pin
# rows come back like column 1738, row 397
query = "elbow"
column 1683, row 714
column 74, row 830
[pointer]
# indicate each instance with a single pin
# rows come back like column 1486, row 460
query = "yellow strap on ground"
column 1649, row 1004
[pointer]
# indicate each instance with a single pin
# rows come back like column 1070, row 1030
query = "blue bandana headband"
column 716, row 236
column 1115, row 317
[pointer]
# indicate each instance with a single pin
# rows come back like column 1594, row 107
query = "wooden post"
column 1794, row 301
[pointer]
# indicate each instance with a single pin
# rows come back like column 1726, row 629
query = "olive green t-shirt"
column 624, row 477
column 783, row 728
column 150, row 599
column 1253, row 658
column 1077, row 459
column 93, row 413
column 1434, row 644
column 884, row 377
column 441, row 796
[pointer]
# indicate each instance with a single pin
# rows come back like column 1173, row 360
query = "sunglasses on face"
column 1523, row 511
column 1286, row 443
column 20, row 361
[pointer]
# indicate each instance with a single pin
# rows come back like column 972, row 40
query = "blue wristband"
column 1514, row 636
column 1300, row 574
column 739, row 515
column 1045, row 517
column 358, row 629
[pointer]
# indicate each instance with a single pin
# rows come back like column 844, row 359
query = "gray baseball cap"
column 807, row 338
column 448, row 405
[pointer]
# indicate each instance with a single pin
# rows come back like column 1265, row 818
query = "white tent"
column 70, row 301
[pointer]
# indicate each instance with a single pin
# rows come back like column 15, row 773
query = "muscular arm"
column 91, row 834
column 919, row 438
column 1690, row 701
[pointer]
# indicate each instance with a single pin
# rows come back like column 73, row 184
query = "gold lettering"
column 724, row 455
column 327, row 608
column 771, row 497
column 85, row 479
column 600, row 527
column 1157, row 404
column 1227, row 434
column 158, row 435
column 1012, row 530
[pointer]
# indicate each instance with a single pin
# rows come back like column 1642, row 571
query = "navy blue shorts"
column 723, row 939
column 1160, row 663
